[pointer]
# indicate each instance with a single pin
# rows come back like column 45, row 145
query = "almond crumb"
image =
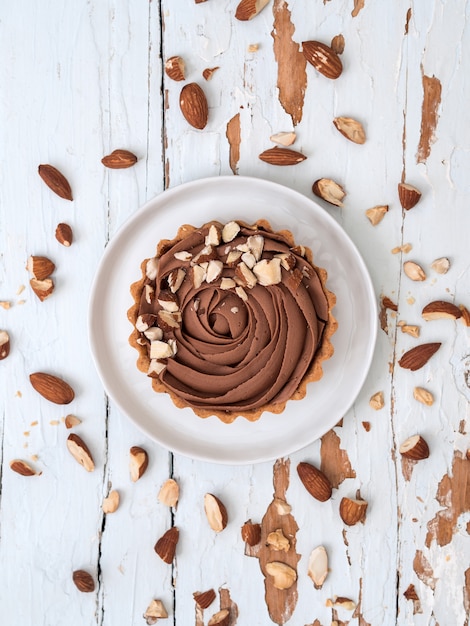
column 5, row 304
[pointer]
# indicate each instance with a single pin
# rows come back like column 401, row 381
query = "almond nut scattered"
column 64, row 234
column 216, row 512
column 230, row 231
column 21, row 467
column 111, row 502
column 251, row 533
column 352, row 510
column 376, row 401
column 409, row 196
column 418, row 356
column 248, row 9
column 175, row 68
column 282, row 156
column 337, row 44
column 339, row 601
column 80, row 452
column 423, row 395
column 414, row 271
column 155, row 611
column 42, row 288
column 169, row 493
column 83, row 581
column 52, row 388
column 318, row 566
column 329, row 190
column 119, row 160
column 314, row 481
column 284, row 575
column 440, row 309
column 209, row 72
column 376, row 214
column 410, row 329
column 278, row 541
column 193, row 105
column 204, row 598
column 166, row 545
column 465, row 314
column 4, row 344
column 284, row 139
column 351, row 129
column 40, row 267
column 138, row 462
column 415, row 448
column 323, row 58
column 56, row 181
column 441, row 265
column 221, row 618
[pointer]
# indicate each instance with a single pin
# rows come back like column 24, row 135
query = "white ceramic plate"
column 272, row 436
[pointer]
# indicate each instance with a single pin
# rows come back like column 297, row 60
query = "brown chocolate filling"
column 236, row 349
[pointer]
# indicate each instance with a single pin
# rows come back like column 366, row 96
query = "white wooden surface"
column 79, row 79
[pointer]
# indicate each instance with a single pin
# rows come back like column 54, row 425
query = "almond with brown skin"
column 138, row 462
column 83, row 581
column 204, row 598
column 465, row 314
column 216, row 512
column 338, row 44
column 418, row 356
column 329, row 190
column 119, row 160
column 282, row 156
column 440, row 309
column 42, row 288
column 166, row 545
column 71, row 421
column 52, row 388
column 80, row 452
column 56, row 181
column 209, row 72
column 251, row 533
column 4, row 344
column 21, row 467
column 415, row 448
column 174, row 68
column 352, row 510
column 323, row 58
column 193, row 105
column 351, row 129
column 409, row 196
column 40, row 267
column 64, row 234
column 248, row 9
column 314, row 481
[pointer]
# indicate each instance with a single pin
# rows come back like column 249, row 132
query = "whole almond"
column 323, row 58
column 415, row 448
column 352, row 510
column 80, row 452
column 418, row 356
column 174, row 68
column 409, row 196
column 248, row 9
column 42, row 288
column 64, row 234
column 282, row 156
column 40, row 267
column 216, row 512
column 119, row 160
column 52, row 388
column 138, row 462
column 21, row 467
column 193, row 105
column 83, row 581
column 4, row 344
column 351, row 129
column 329, row 190
column 314, row 481
column 440, row 309
column 338, row 44
column 251, row 533
column 166, row 545
column 56, row 181
column 204, row 598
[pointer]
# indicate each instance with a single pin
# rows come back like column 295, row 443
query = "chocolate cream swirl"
column 231, row 320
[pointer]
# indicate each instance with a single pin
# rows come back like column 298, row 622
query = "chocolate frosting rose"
column 232, row 319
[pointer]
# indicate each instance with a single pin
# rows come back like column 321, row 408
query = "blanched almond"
column 423, row 395
column 111, row 502
column 284, row 575
column 318, row 566
column 376, row 401
column 278, row 541
column 414, row 271
column 351, row 129
column 169, row 493
column 441, row 265
column 376, row 214
column 216, row 512
column 230, row 231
